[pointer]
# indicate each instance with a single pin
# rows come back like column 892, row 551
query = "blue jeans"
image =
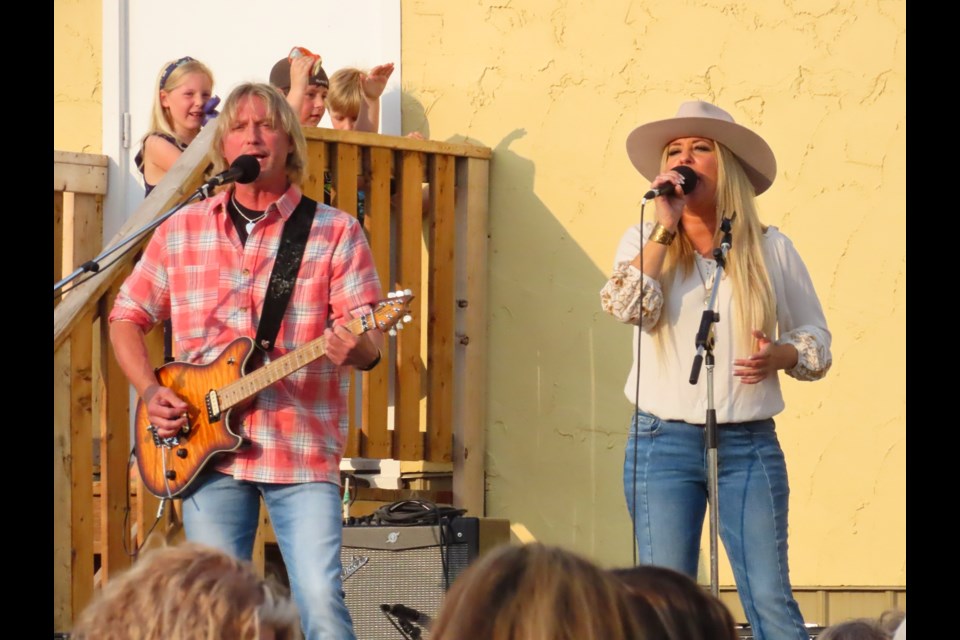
column 222, row 512
column 665, row 483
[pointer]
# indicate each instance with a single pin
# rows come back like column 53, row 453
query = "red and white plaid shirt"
column 196, row 272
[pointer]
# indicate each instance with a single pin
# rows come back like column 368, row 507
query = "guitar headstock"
column 390, row 314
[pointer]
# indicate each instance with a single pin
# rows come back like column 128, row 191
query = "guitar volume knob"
column 171, row 475
column 181, row 453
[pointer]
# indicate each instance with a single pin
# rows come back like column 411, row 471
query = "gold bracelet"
column 662, row 235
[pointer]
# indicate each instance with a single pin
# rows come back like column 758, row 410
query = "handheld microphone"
column 407, row 613
column 244, row 169
column 690, row 179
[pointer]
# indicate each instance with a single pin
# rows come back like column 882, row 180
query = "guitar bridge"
column 213, row 406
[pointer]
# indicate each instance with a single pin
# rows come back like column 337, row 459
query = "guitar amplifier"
column 407, row 565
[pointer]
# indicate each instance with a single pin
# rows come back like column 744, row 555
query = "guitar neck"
column 256, row 381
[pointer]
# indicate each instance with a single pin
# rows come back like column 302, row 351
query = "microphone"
column 690, row 179
column 407, row 613
column 244, row 169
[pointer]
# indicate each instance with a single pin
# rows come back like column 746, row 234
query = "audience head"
column 536, row 592
column 188, row 592
column 345, row 97
column 862, row 629
column 687, row 610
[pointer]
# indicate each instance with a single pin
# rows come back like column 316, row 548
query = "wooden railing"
column 424, row 207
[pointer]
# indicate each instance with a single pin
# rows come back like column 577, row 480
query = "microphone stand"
column 705, row 342
column 93, row 266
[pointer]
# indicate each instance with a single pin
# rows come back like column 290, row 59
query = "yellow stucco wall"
column 77, row 61
column 554, row 88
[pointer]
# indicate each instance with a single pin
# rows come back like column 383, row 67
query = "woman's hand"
column 669, row 207
column 766, row 361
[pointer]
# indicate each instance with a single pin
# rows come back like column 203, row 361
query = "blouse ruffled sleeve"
column 799, row 314
column 629, row 295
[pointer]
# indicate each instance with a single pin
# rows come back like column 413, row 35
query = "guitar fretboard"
column 256, row 381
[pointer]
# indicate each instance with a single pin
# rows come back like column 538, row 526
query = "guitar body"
column 168, row 467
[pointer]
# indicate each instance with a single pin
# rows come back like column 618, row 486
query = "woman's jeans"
column 222, row 512
column 665, row 483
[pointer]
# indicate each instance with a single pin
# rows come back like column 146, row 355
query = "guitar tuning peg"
column 392, row 332
column 399, row 326
column 391, row 294
column 408, row 318
column 408, row 292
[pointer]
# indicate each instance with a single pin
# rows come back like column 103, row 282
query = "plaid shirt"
column 196, row 272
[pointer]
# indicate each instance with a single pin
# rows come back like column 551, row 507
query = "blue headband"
column 171, row 67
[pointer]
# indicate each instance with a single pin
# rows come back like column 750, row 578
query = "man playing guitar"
column 208, row 268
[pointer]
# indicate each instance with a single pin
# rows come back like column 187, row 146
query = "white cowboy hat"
column 645, row 144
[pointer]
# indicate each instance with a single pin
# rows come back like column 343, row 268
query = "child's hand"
column 416, row 135
column 300, row 69
column 375, row 82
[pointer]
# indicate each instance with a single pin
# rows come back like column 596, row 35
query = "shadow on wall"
column 557, row 417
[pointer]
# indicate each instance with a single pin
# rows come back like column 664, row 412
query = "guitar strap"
column 293, row 241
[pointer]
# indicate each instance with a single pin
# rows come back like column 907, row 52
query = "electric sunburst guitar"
column 168, row 465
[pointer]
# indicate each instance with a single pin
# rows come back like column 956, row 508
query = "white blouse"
column 665, row 389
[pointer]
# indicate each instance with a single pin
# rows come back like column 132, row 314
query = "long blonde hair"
column 160, row 121
column 752, row 291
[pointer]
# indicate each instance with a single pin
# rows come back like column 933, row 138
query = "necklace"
column 250, row 221
column 707, row 270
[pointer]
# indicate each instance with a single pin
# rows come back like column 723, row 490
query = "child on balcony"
column 181, row 105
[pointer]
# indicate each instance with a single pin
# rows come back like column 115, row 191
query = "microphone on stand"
column 409, row 614
column 690, row 179
column 244, row 170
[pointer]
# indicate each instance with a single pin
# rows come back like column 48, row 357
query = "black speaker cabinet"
column 408, row 565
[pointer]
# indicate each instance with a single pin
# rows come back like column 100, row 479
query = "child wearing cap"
column 305, row 85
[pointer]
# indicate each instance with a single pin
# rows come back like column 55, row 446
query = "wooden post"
column 62, row 492
column 470, row 423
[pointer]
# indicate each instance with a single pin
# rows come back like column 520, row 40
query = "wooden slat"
column 80, row 172
column 408, row 440
column 345, row 174
column 57, row 236
column 179, row 182
column 396, row 143
column 114, row 453
column 469, row 430
column 440, row 330
column 316, row 165
column 82, row 230
column 147, row 503
column 346, row 168
column 62, row 493
column 376, row 440
column 81, row 438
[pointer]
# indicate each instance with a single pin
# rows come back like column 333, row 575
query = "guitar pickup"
column 213, row 406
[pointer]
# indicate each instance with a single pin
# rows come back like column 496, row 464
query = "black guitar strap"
column 293, row 241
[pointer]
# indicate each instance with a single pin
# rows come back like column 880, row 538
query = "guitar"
column 169, row 464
